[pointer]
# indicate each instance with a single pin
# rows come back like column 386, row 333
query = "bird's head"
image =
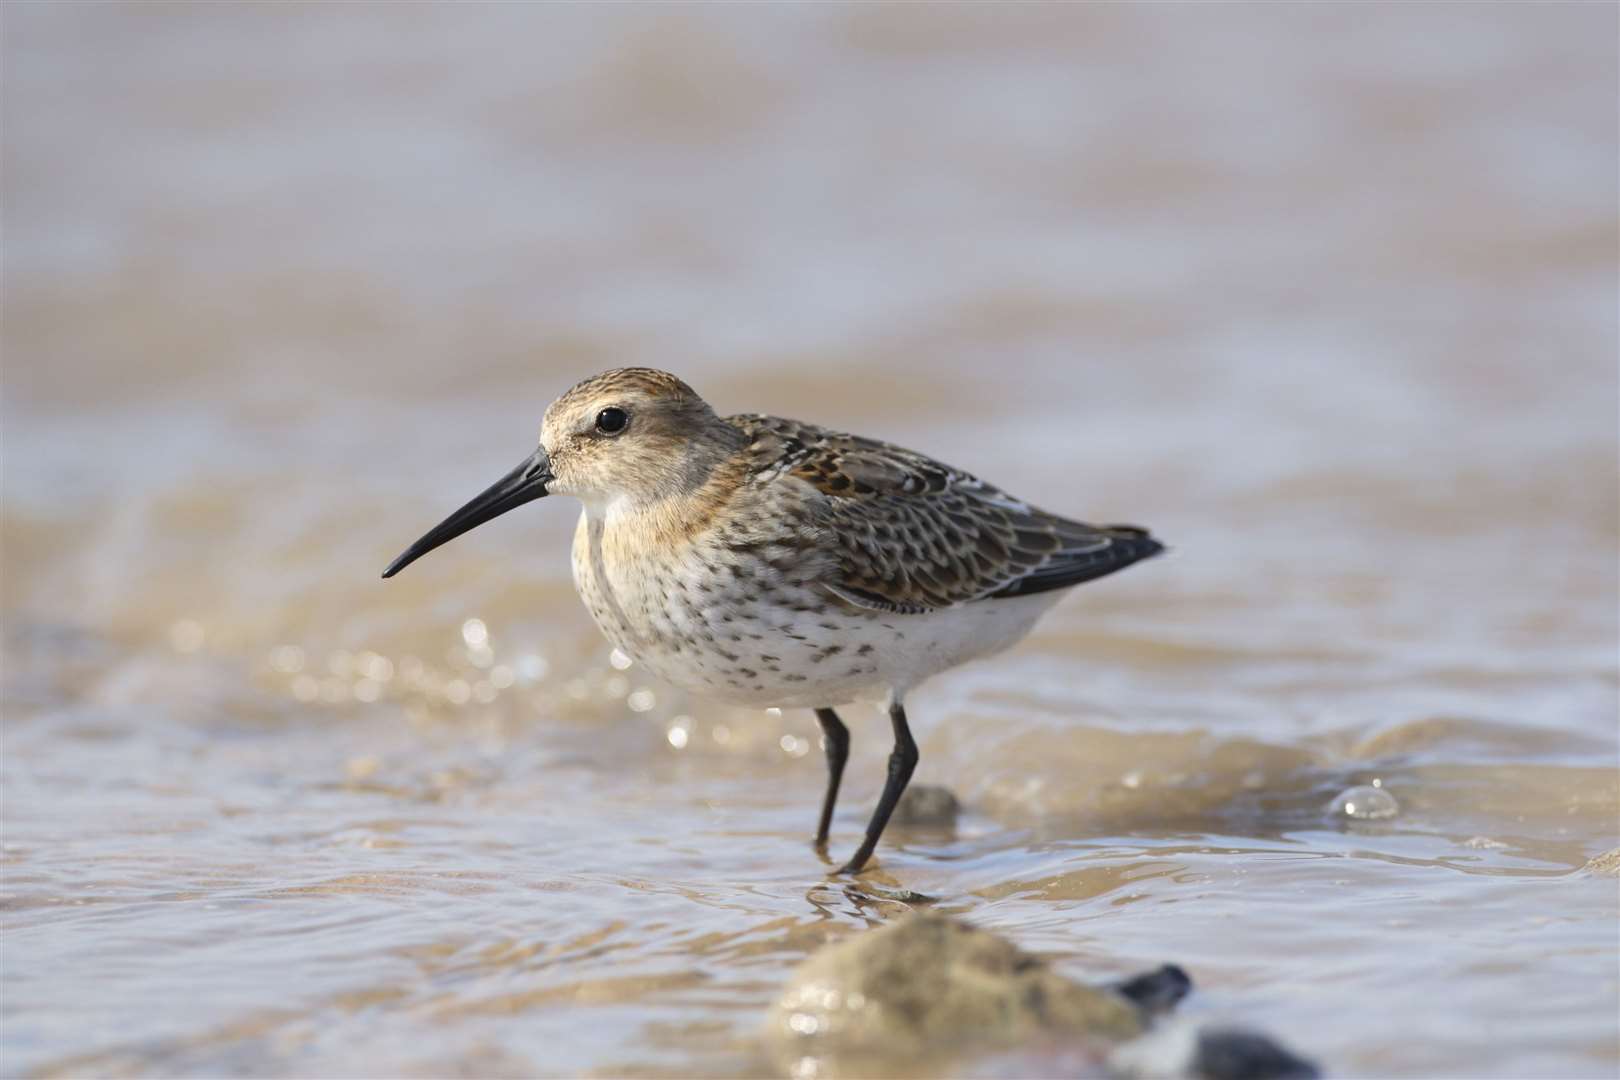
column 629, row 433
column 630, row 436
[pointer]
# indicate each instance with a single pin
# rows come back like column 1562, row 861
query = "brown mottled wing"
column 915, row 535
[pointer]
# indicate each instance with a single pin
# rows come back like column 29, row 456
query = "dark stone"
column 1157, row 992
column 1235, row 1054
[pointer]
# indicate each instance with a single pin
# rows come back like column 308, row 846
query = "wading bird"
column 769, row 562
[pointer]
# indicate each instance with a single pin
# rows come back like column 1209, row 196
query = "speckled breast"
column 742, row 623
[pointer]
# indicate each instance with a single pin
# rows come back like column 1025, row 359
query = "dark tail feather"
column 1130, row 544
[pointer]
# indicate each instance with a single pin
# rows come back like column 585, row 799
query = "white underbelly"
column 768, row 645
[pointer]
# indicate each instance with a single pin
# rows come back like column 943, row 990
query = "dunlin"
column 770, row 562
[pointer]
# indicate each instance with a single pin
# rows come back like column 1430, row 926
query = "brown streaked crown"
column 639, row 382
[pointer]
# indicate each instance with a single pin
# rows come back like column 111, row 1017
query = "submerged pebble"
column 1364, row 803
column 927, row 805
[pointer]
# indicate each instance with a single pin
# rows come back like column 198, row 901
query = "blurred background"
column 1324, row 294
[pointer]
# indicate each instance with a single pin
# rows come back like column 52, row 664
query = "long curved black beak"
column 523, row 484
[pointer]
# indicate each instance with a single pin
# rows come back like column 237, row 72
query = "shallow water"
column 1326, row 296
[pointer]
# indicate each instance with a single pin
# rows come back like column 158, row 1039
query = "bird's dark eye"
column 611, row 421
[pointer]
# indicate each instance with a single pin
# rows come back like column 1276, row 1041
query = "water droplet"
column 1365, row 803
column 641, row 700
column 677, row 737
column 619, row 660
column 457, row 691
column 501, row 676
column 532, row 667
column 367, row 690
column 475, row 633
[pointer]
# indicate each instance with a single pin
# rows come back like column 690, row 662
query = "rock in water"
column 1156, row 992
column 1186, row 1050
column 1606, row 863
column 1235, row 1054
column 928, row 988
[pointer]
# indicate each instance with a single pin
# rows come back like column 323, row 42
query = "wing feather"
column 913, row 534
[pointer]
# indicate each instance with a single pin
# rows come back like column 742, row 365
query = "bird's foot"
column 853, row 867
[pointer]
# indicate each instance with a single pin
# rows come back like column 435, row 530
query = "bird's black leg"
column 902, row 762
column 837, row 738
